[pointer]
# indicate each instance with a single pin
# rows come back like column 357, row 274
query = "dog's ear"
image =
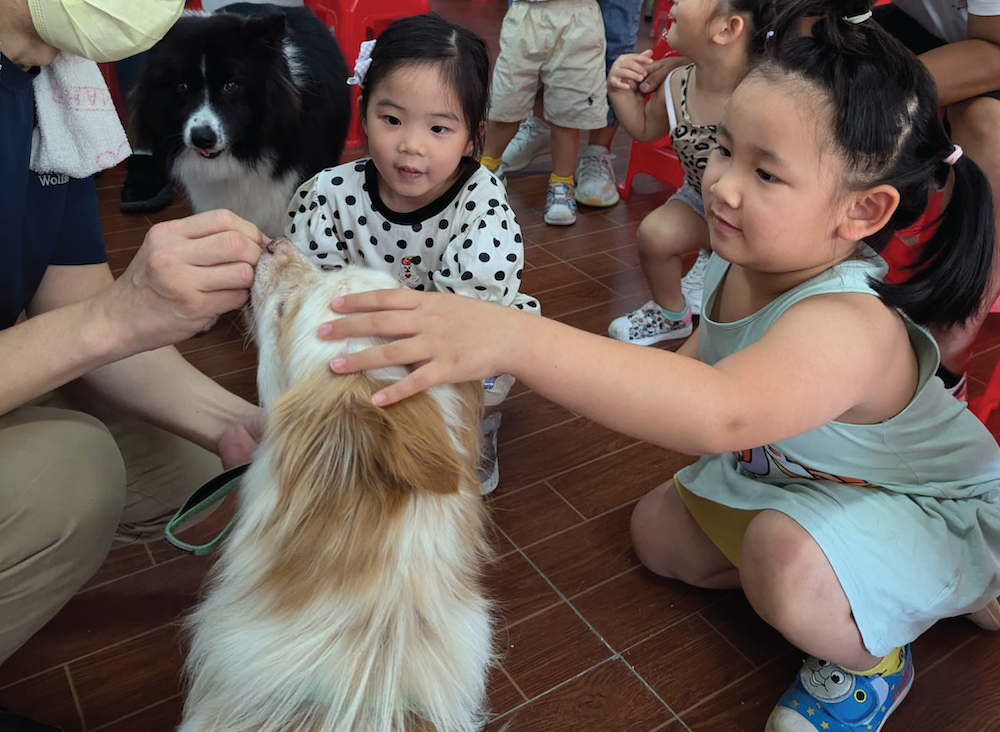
column 268, row 28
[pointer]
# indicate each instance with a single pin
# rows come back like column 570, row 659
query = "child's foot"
column 595, row 178
column 825, row 697
column 560, row 207
column 489, row 468
column 693, row 283
column 533, row 138
column 650, row 324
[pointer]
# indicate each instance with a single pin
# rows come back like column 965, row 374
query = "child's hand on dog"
column 450, row 338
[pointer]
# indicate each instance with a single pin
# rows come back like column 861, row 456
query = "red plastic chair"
column 897, row 254
column 359, row 21
column 656, row 159
column 661, row 18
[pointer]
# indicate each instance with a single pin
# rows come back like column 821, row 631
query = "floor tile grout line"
column 126, row 576
column 614, row 654
column 553, row 475
column 577, row 526
column 516, row 490
column 85, row 656
column 574, row 284
column 534, row 615
column 663, row 630
column 566, row 501
column 513, row 683
column 568, row 470
column 653, row 691
column 603, row 582
column 726, row 639
column 76, row 697
column 543, row 429
column 548, row 691
column 721, row 690
column 592, row 278
column 948, row 655
column 214, row 345
column 136, row 712
column 30, row 677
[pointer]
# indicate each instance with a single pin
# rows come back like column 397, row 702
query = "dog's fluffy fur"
column 242, row 106
column 347, row 598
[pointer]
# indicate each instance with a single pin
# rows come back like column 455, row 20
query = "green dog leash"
column 208, row 495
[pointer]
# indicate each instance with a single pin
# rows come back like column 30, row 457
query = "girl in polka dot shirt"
column 421, row 207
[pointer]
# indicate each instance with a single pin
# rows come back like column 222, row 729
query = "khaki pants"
column 74, row 480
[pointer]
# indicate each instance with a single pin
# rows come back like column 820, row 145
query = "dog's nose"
column 204, row 137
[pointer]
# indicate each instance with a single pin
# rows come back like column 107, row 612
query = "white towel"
column 77, row 131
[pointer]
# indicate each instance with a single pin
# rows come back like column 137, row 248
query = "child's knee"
column 657, row 236
column 780, row 568
column 666, row 540
column 647, row 531
column 654, row 238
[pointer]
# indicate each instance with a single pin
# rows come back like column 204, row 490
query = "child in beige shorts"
column 558, row 45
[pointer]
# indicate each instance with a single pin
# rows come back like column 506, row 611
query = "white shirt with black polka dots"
column 466, row 242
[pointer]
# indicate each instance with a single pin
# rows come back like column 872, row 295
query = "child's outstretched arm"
column 822, row 359
column 644, row 120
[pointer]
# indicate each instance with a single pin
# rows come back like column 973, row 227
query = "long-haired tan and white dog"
column 348, row 597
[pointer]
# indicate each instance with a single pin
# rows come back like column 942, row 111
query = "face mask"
column 104, row 30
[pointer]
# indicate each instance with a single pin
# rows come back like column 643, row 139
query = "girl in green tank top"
column 852, row 499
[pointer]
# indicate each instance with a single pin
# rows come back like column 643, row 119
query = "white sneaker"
column 693, row 283
column 560, row 206
column 489, row 467
column 649, row 325
column 595, row 178
column 533, row 138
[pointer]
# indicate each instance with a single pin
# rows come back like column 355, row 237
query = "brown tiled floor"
column 589, row 640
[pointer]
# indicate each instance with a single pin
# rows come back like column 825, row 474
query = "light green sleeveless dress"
column 907, row 510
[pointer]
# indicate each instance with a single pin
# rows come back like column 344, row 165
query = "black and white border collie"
column 242, row 106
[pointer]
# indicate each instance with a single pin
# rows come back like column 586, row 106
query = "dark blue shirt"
column 44, row 218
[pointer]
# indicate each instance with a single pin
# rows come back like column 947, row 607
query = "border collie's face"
column 215, row 86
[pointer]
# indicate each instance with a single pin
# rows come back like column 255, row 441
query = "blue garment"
column 906, row 510
column 621, row 30
column 44, row 219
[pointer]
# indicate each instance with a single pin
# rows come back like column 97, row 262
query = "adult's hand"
column 186, row 273
column 19, row 40
column 656, row 72
column 237, row 444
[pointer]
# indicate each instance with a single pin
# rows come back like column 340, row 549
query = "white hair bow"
column 362, row 64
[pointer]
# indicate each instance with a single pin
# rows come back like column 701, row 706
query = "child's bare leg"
column 565, row 146
column 790, row 583
column 498, row 134
column 670, row 543
column 666, row 234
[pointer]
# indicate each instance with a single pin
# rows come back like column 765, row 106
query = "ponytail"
column 952, row 271
column 888, row 129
